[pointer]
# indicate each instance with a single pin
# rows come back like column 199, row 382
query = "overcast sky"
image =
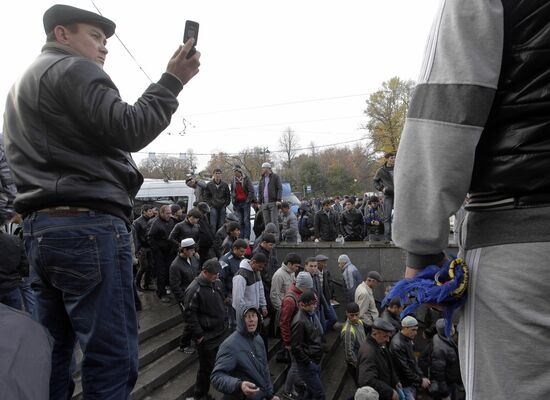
column 265, row 65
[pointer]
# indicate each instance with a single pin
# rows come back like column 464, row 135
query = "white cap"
column 189, row 242
column 266, row 165
column 409, row 322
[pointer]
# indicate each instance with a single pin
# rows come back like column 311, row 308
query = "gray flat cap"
column 383, row 325
column 375, row 275
column 321, row 257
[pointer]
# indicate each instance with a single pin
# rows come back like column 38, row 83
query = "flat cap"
column 409, row 322
column 321, row 257
column 375, row 275
column 61, row 14
column 382, row 325
column 185, row 243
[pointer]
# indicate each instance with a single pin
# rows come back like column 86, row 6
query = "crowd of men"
column 246, row 291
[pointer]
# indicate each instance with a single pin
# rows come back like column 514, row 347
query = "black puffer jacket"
column 513, row 154
column 69, row 134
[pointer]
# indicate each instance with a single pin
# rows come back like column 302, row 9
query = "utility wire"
column 270, row 152
column 279, row 104
column 184, row 120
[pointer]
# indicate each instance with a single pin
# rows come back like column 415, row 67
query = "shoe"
column 189, row 350
column 165, row 299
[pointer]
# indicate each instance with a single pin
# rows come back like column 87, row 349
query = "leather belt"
column 63, row 210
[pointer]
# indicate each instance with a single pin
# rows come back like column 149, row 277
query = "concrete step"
column 161, row 371
column 332, row 341
column 333, row 373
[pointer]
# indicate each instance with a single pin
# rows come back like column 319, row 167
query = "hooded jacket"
column 248, row 287
column 242, row 357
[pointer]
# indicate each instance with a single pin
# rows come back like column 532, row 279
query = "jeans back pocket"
column 71, row 264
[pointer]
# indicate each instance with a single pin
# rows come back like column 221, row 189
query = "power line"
column 275, row 124
column 270, row 152
column 279, row 104
column 184, row 120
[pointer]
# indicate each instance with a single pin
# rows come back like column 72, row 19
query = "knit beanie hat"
column 304, row 280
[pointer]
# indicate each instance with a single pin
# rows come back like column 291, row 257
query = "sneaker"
column 165, row 299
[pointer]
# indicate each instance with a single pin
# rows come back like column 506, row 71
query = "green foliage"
column 387, row 109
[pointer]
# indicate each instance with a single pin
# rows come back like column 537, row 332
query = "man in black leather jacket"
column 68, row 141
column 306, row 345
column 402, row 352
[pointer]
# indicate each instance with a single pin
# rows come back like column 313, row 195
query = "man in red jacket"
column 289, row 308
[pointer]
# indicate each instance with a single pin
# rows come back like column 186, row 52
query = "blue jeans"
column 311, row 375
column 217, row 218
column 12, row 299
column 28, row 296
column 82, row 277
column 242, row 211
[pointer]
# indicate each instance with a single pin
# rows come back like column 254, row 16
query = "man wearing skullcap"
column 402, row 351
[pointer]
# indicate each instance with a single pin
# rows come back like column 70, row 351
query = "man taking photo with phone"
column 68, row 140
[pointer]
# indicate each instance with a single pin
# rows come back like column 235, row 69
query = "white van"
column 159, row 192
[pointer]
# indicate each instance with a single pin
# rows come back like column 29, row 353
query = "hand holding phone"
column 191, row 31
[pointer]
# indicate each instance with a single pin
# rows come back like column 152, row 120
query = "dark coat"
column 218, row 195
column 351, row 224
column 392, row 319
column 13, row 261
column 141, row 228
column 306, row 338
column 445, row 367
column 375, row 369
column 242, row 357
column 205, row 313
column 70, row 135
column 274, row 189
column 183, row 230
column 326, row 226
column 182, row 274
column 402, row 351
column 230, row 265
column 383, row 180
column 159, row 235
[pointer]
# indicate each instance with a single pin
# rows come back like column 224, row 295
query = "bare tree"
column 288, row 144
column 164, row 167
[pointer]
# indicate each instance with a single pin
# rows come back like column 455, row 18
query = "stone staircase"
column 168, row 374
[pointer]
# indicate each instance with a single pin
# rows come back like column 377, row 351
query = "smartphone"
column 191, row 31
